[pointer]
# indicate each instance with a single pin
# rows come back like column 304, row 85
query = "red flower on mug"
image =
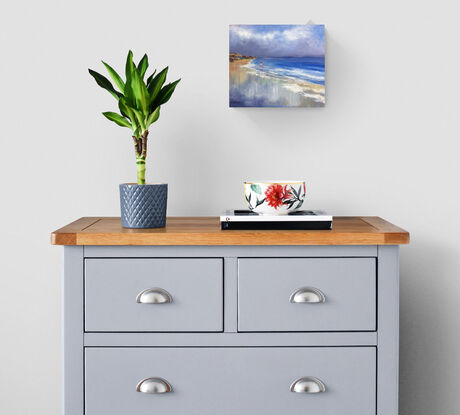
column 276, row 194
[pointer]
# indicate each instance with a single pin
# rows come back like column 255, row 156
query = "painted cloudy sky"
column 274, row 41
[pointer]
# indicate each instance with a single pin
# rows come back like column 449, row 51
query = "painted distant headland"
column 237, row 57
column 277, row 66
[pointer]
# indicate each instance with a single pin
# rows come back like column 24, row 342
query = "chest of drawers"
column 194, row 320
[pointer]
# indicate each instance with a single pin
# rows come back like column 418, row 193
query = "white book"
column 300, row 220
column 300, row 216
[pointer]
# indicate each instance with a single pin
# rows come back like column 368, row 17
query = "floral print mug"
column 274, row 197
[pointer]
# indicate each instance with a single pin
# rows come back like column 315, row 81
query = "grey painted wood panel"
column 112, row 285
column 73, row 403
column 214, row 350
column 388, row 330
column 231, row 339
column 230, row 251
column 229, row 381
column 265, row 286
column 230, row 295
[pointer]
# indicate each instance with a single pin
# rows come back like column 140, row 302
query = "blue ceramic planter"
column 143, row 205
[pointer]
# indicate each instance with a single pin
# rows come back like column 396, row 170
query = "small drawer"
column 229, row 381
column 143, row 295
column 306, row 294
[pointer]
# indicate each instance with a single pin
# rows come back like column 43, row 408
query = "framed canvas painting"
column 277, row 66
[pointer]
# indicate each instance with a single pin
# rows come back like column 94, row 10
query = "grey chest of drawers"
column 193, row 320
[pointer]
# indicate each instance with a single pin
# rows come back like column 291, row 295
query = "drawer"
column 136, row 295
column 229, row 381
column 307, row 294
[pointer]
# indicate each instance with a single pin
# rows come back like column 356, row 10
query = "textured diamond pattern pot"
column 143, row 205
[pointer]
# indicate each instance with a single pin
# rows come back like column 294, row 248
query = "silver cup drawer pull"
column 154, row 296
column 153, row 386
column 308, row 385
column 307, row 295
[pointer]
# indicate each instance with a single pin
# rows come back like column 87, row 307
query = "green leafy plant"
column 139, row 102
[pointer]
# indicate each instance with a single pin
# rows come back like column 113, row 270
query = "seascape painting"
column 277, row 66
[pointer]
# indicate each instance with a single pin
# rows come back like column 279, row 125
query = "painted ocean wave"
column 306, row 69
column 293, row 75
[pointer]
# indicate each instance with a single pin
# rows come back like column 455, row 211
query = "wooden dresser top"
column 346, row 230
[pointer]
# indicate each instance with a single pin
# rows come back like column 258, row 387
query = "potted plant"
column 139, row 102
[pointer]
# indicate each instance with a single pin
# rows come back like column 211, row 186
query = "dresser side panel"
column 388, row 330
column 73, row 365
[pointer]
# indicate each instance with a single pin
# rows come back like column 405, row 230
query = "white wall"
column 386, row 144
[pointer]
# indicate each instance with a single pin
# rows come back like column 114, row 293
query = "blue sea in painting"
column 277, row 66
column 309, row 69
column 278, row 82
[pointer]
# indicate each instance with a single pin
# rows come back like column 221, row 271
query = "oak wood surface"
column 346, row 230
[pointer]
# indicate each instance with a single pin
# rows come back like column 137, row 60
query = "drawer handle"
column 154, row 296
column 308, row 385
column 307, row 295
column 153, row 386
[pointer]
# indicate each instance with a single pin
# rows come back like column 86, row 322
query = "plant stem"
column 140, row 163
column 137, row 146
column 145, row 134
column 140, row 148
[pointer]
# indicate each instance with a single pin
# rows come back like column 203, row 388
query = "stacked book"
column 299, row 220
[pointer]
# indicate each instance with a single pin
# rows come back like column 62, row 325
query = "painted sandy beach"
column 277, row 66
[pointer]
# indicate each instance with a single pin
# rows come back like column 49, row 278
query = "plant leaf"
column 124, row 109
column 136, row 116
column 259, row 202
column 143, row 65
column 103, row 82
column 165, row 93
column 295, row 192
column 290, row 203
column 256, row 188
column 141, row 95
column 149, row 79
column 115, row 77
column 140, row 118
column 248, row 200
column 127, row 112
column 117, row 118
column 153, row 117
column 156, row 84
column 130, row 68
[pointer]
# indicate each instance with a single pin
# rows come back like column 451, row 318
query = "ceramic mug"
column 274, row 197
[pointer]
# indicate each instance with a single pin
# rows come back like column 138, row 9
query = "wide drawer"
column 129, row 295
column 307, row 294
column 229, row 381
